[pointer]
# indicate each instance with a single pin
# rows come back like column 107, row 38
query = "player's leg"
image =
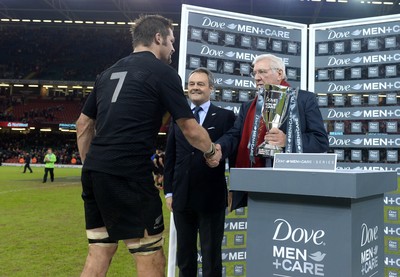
column 46, row 172
column 101, row 247
column 25, row 168
column 29, row 167
column 101, row 251
column 148, row 254
column 51, row 174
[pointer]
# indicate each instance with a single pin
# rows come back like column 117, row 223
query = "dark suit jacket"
column 186, row 174
column 314, row 136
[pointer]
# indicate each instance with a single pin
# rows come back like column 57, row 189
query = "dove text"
column 205, row 50
column 338, row 35
column 284, row 231
column 368, row 235
column 337, row 61
column 208, row 22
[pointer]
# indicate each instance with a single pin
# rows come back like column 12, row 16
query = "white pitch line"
column 26, row 189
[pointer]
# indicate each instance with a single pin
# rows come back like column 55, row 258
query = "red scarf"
column 243, row 155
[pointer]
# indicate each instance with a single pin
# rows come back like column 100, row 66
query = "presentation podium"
column 305, row 223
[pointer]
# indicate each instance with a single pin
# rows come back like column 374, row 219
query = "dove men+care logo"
column 378, row 141
column 360, row 113
column 217, row 23
column 369, row 249
column 373, row 85
column 297, row 249
column 366, row 59
column 218, row 52
column 364, row 32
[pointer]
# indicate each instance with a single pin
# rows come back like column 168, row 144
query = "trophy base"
column 267, row 150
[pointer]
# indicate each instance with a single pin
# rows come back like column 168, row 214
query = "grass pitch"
column 42, row 230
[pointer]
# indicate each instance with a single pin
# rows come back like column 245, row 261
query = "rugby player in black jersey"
column 116, row 134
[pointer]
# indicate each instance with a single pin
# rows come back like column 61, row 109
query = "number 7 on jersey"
column 121, row 77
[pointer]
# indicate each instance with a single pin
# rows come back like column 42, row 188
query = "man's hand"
column 216, row 158
column 275, row 137
column 168, row 201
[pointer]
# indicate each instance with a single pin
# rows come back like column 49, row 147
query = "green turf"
column 42, row 230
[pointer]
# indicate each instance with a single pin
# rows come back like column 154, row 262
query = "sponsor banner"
column 67, row 126
column 227, row 43
column 392, row 261
column 236, row 82
column 13, row 124
column 392, row 199
column 364, row 141
column 243, row 27
column 369, row 166
column 229, row 255
column 391, row 230
column 360, row 113
column 231, row 81
column 359, row 31
column 358, row 86
column 357, row 59
column 235, row 224
column 230, row 53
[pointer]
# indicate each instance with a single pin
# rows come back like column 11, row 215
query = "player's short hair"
column 207, row 72
column 275, row 63
column 147, row 26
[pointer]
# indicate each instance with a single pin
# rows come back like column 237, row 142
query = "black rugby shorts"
column 126, row 207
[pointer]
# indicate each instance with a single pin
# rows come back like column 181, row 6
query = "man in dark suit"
column 196, row 193
column 269, row 69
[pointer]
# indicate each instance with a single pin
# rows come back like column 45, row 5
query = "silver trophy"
column 274, row 113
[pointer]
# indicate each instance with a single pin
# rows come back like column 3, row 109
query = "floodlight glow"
column 68, row 21
column 99, row 22
column 62, row 86
column 18, row 85
column 89, row 22
column 46, row 20
column 33, row 86
column 26, row 20
column 110, row 22
column 36, row 20
column 5, row 19
column 15, row 20
column 78, row 21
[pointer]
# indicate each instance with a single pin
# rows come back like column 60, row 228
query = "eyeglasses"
column 262, row 72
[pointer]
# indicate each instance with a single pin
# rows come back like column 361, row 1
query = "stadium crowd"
column 15, row 146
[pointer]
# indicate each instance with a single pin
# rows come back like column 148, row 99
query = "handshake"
column 213, row 156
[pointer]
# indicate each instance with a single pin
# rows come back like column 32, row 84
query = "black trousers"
column 27, row 166
column 46, row 172
column 210, row 226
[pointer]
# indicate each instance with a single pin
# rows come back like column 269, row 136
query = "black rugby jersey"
column 128, row 102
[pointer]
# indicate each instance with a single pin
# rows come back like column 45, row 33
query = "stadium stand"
column 14, row 145
column 60, row 53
